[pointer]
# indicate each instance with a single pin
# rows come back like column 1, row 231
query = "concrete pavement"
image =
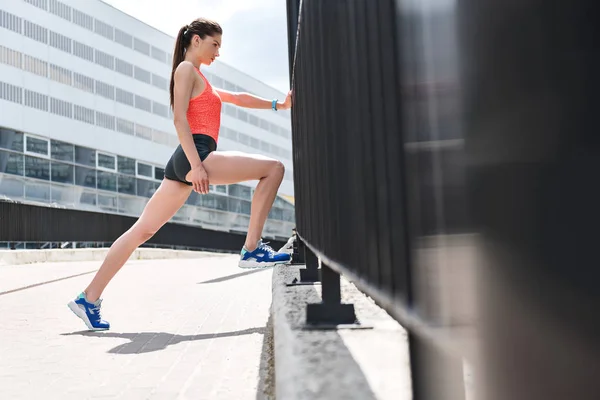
column 181, row 329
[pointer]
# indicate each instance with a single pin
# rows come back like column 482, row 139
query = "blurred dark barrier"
column 445, row 161
column 31, row 223
column 379, row 179
column 531, row 96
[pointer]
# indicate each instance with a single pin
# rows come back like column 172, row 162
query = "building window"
column 160, row 82
column 38, row 168
column 10, row 57
column 241, row 191
column 160, row 109
column 36, row 100
column 242, row 115
column 123, row 67
column 105, row 90
column 60, row 9
column 11, row 93
column 125, row 126
column 85, row 156
column 62, row 151
column 221, row 189
column 105, row 120
column 143, row 131
column 60, row 107
column 83, row 51
column 159, row 55
column 124, row 97
column 104, row 59
column 11, row 22
column 11, row 163
column 35, row 65
column 159, row 173
column 142, row 75
column 143, row 103
column 37, row 146
column 11, row 140
column 103, row 29
column 107, row 181
column 43, row 4
column 264, row 146
column 145, row 188
column 83, row 82
column 83, row 20
column 83, row 114
column 126, row 165
column 144, row 170
column 60, row 74
column 106, row 161
column 141, row 46
column 160, row 137
column 244, row 139
column 85, row 177
column 123, row 38
column 126, row 184
column 62, row 173
column 35, row 32
column 60, row 42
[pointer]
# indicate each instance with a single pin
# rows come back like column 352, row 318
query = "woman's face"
column 207, row 49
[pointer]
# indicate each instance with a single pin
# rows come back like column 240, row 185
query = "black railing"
column 21, row 222
column 445, row 157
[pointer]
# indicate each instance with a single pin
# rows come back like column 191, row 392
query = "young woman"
column 195, row 164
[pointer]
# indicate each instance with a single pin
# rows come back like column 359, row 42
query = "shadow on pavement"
column 146, row 342
column 228, row 277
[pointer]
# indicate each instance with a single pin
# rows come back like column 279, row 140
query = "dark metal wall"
column 446, row 158
column 531, row 93
column 29, row 223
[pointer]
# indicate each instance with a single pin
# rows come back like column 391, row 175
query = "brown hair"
column 201, row 27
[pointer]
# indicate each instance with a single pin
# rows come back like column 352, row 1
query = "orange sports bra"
column 204, row 111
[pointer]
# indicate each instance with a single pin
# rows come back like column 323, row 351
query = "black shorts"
column 178, row 165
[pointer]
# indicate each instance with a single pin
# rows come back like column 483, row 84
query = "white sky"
column 254, row 31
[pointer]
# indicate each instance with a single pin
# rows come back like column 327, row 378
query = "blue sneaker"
column 89, row 313
column 262, row 257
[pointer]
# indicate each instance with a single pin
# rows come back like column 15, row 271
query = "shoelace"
column 267, row 248
column 96, row 310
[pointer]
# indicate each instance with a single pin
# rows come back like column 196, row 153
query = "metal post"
column 330, row 312
column 311, row 274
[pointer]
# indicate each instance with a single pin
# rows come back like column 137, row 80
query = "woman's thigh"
column 227, row 167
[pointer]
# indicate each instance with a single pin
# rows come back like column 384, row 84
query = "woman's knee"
column 142, row 233
column 277, row 169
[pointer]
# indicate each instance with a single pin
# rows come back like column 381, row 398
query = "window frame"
column 32, row 153
column 138, row 175
column 98, row 167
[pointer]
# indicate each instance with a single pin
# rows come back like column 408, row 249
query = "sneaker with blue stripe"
column 89, row 312
column 262, row 257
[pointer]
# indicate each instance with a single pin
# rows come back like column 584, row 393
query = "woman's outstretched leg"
column 169, row 198
column 227, row 167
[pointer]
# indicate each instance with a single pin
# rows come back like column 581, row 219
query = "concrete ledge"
column 17, row 257
column 344, row 364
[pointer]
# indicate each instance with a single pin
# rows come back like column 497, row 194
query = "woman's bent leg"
column 165, row 202
column 169, row 197
column 227, row 167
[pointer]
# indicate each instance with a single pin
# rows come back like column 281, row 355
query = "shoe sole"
column 259, row 265
column 82, row 315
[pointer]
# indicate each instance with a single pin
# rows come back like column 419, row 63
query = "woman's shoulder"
column 185, row 67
